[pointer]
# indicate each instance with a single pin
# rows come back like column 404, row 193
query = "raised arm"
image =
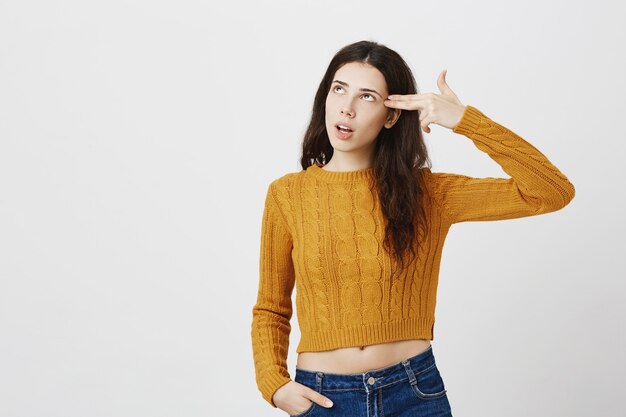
column 272, row 312
column 536, row 186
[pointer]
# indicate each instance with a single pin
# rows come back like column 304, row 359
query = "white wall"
column 137, row 140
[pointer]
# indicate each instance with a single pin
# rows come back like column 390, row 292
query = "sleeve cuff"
column 271, row 385
column 470, row 121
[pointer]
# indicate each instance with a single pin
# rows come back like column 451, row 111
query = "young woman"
column 360, row 230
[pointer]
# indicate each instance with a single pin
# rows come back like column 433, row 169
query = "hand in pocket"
column 295, row 398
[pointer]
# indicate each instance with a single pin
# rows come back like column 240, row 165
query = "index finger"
column 405, row 97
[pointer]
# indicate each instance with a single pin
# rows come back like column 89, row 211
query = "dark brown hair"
column 399, row 151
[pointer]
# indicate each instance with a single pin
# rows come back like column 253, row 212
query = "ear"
column 392, row 117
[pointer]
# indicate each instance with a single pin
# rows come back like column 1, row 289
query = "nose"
column 346, row 112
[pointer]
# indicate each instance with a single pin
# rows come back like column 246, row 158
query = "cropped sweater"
column 322, row 231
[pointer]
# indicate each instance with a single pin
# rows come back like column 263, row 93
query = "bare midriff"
column 358, row 359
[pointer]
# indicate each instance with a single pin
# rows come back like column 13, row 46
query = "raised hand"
column 443, row 109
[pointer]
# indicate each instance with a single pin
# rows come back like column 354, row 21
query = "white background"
column 137, row 140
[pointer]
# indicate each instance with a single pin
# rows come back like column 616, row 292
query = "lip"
column 348, row 125
column 341, row 135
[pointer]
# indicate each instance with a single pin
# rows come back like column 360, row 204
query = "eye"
column 366, row 94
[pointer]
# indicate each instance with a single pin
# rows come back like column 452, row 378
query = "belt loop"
column 409, row 371
column 318, row 381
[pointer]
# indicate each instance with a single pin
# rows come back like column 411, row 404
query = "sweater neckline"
column 317, row 171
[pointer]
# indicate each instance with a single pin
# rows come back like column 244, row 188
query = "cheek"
column 330, row 102
column 329, row 106
column 328, row 109
column 376, row 117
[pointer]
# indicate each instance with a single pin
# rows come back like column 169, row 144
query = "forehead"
column 359, row 75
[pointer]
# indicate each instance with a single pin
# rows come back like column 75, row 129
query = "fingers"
column 412, row 104
column 292, row 398
column 405, row 104
column 408, row 101
column 425, row 120
column 319, row 398
column 405, row 97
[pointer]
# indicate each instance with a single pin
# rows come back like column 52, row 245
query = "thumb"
column 318, row 398
column 443, row 85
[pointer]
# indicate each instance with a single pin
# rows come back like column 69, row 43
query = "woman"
column 360, row 230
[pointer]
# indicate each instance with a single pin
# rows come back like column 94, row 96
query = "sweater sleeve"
column 536, row 186
column 272, row 312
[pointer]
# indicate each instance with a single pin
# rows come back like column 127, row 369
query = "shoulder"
column 438, row 180
column 425, row 175
column 430, row 181
column 282, row 188
column 285, row 181
column 423, row 170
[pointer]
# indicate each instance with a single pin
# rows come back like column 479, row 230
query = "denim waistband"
column 370, row 380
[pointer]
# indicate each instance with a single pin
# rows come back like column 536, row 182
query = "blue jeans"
column 410, row 388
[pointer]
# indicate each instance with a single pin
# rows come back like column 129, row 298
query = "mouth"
column 343, row 131
column 343, row 127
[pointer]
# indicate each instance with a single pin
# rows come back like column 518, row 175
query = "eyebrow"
column 369, row 90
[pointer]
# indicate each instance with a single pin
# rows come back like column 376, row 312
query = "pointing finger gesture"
column 444, row 109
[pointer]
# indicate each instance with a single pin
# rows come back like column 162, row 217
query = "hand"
column 444, row 109
column 295, row 398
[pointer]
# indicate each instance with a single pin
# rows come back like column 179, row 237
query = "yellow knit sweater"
column 323, row 231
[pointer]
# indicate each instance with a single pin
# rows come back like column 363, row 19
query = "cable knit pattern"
column 322, row 233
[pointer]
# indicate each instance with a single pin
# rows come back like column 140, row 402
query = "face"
column 356, row 99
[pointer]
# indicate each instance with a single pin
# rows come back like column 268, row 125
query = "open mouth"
column 343, row 132
column 343, row 129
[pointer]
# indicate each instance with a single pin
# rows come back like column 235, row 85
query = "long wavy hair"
column 398, row 151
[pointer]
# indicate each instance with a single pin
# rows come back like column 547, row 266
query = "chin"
column 343, row 146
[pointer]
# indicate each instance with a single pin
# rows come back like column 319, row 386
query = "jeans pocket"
column 305, row 412
column 317, row 387
column 428, row 383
